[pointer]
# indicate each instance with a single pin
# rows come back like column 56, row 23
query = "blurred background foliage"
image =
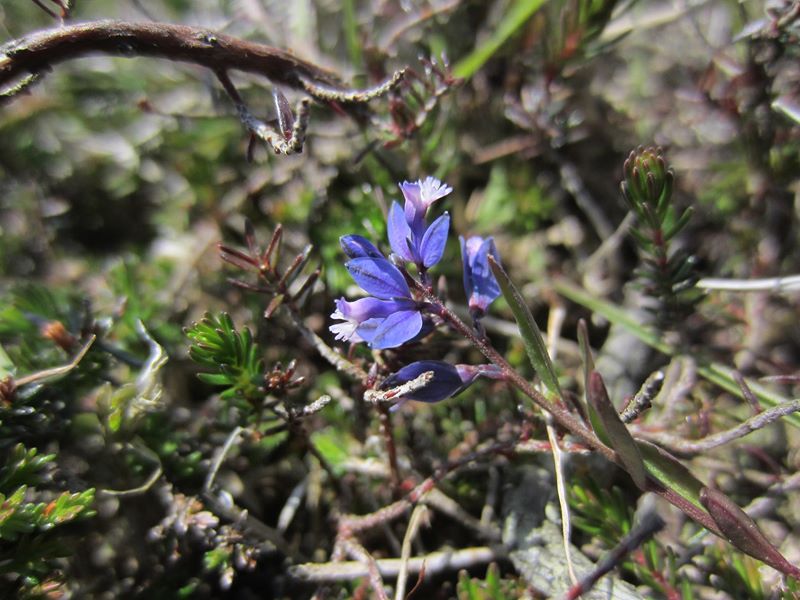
column 119, row 176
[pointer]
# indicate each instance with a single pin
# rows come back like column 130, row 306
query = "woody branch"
column 25, row 60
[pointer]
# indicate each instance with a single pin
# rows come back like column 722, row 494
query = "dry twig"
column 555, row 322
column 23, row 61
column 356, row 550
column 417, row 518
column 680, row 445
column 435, row 562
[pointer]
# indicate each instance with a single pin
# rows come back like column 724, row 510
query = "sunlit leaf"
column 618, row 435
column 531, row 336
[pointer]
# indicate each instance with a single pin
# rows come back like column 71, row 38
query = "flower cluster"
column 392, row 315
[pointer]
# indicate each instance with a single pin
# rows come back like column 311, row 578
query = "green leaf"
column 531, row 336
column 232, row 357
column 215, row 378
column 516, row 16
column 678, row 226
column 68, row 507
column 673, row 482
column 641, row 238
column 619, row 437
column 22, row 467
column 669, row 472
column 586, row 351
column 741, row 531
column 588, row 366
column 663, row 205
column 217, row 558
column 351, row 34
column 115, row 420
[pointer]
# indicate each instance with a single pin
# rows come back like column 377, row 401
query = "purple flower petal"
column 400, row 236
column 434, row 241
column 431, row 189
column 466, row 270
column 446, row 381
column 419, row 195
column 480, row 284
column 379, row 277
column 366, row 330
column 367, row 308
column 414, row 206
column 397, row 329
column 356, row 246
column 360, row 318
column 354, row 314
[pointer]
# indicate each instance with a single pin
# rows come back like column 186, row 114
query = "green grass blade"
column 518, row 14
column 351, row 35
column 531, row 336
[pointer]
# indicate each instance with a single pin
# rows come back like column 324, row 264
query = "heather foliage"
column 393, row 299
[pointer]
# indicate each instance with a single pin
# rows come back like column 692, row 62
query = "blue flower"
column 356, row 246
column 379, row 277
column 409, row 236
column 392, row 316
column 448, row 380
column 480, row 284
column 361, row 318
column 419, row 195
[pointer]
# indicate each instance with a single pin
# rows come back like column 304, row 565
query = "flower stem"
column 391, row 449
column 560, row 414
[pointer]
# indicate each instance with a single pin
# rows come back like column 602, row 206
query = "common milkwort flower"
column 387, row 320
column 408, row 235
column 479, row 283
column 448, row 380
column 392, row 315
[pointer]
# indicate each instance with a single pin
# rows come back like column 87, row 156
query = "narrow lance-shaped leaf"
column 742, row 531
column 618, row 435
column 585, row 350
column 531, row 336
column 675, row 483
column 215, row 378
column 297, row 265
column 679, row 224
column 663, row 204
column 514, row 18
column 588, row 367
column 641, row 239
column 6, row 365
column 273, row 305
column 283, row 111
column 250, row 238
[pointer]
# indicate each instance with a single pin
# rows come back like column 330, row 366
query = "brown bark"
column 38, row 52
